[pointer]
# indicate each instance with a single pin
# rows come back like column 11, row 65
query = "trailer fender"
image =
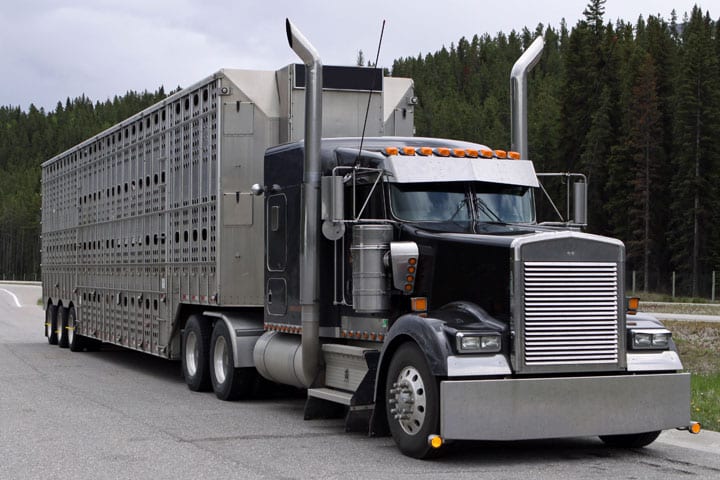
column 248, row 327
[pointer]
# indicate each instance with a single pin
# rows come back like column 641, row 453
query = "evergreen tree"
column 693, row 231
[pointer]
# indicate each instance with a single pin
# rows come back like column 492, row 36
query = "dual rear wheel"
column 60, row 324
column 208, row 360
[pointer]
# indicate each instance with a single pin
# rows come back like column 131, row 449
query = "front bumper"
column 527, row 408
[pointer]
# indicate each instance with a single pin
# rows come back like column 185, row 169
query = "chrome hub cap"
column 408, row 401
column 191, row 353
column 220, row 360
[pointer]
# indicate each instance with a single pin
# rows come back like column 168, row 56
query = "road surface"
column 124, row 415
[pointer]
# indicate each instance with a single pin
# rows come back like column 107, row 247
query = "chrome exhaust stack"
column 519, row 96
column 309, row 262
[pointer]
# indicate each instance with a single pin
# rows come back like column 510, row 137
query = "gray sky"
column 54, row 49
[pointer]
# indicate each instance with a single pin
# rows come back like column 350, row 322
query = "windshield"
column 434, row 202
column 461, row 202
column 504, row 203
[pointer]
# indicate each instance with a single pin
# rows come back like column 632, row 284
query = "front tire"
column 228, row 382
column 196, row 354
column 51, row 318
column 632, row 440
column 412, row 402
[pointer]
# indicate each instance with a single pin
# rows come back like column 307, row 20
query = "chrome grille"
column 571, row 313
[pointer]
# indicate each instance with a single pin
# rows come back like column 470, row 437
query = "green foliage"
column 26, row 140
column 633, row 106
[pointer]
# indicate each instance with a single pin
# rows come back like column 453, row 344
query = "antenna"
column 372, row 89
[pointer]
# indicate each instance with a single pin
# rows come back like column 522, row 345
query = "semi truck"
column 287, row 225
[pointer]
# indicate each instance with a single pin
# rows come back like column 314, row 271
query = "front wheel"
column 632, row 440
column 412, row 402
column 228, row 382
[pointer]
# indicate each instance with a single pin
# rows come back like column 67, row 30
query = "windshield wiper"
column 488, row 211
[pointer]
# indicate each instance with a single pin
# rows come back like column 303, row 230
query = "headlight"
column 650, row 339
column 477, row 343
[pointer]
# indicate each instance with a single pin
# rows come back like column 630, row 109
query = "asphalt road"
column 121, row 414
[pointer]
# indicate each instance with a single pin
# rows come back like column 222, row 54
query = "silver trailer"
column 405, row 282
column 153, row 219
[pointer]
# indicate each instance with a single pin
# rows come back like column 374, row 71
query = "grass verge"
column 697, row 344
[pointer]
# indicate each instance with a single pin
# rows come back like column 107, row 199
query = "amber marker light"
column 425, row 151
column 435, row 441
column 514, row 155
column 458, row 152
column 442, row 151
column 408, row 150
column 391, row 151
column 633, row 305
column 418, row 304
column 485, row 153
column 501, row 154
column 412, row 261
column 695, row 428
column 472, row 153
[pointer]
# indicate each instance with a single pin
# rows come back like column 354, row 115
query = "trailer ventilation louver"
column 571, row 313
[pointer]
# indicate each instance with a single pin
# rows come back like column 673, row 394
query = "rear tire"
column 632, row 440
column 196, row 354
column 77, row 342
column 62, row 327
column 411, row 390
column 51, row 318
column 228, row 382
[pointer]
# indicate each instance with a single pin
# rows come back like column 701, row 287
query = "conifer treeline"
column 636, row 107
column 27, row 139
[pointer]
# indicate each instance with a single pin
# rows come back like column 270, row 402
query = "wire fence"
column 675, row 284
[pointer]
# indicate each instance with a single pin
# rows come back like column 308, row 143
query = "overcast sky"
column 54, row 49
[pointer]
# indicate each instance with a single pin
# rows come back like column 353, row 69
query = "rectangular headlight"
column 477, row 343
column 650, row 339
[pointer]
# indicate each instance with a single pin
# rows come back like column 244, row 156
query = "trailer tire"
column 632, row 440
column 51, row 314
column 62, row 327
column 196, row 353
column 228, row 382
column 412, row 390
column 77, row 342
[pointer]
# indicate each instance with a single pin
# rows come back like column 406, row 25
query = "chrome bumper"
column 517, row 409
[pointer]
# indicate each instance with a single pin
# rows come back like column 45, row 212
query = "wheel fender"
column 247, row 328
column 429, row 335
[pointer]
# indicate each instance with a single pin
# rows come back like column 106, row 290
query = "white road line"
column 17, row 302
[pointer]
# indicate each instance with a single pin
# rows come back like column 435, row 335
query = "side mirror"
column 333, row 199
column 580, row 203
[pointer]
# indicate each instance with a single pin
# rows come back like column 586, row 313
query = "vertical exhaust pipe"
column 519, row 96
column 309, row 262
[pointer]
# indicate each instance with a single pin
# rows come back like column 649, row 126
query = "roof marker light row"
column 451, row 152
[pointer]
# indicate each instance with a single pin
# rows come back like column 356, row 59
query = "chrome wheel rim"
column 408, row 401
column 191, row 353
column 71, row 327
column 220, row 360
